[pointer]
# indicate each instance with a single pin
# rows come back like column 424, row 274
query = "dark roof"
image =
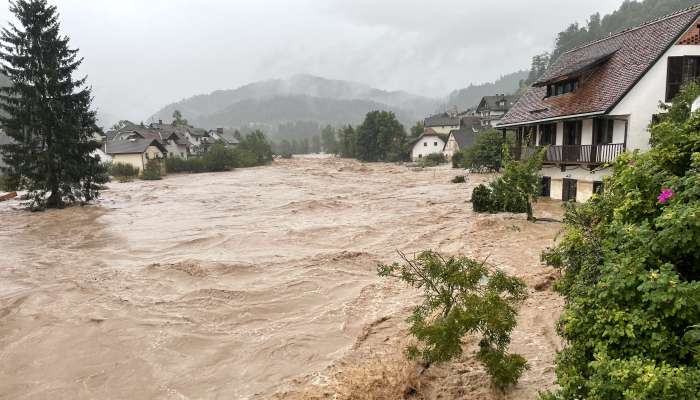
column 612, row 67
column 443, row 119
column 499, row 102
column 137, row 146
column 465, row 137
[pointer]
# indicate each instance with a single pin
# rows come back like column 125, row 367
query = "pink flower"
column 665, row 196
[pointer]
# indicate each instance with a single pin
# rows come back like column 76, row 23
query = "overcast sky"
column 143, row 54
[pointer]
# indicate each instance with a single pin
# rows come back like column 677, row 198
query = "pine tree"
column 46, row 111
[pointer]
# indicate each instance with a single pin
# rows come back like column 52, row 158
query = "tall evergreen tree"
column 46, row 111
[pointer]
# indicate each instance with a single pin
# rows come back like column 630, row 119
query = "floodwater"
column 237, row 285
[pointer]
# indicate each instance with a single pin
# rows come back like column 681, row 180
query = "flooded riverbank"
column 241, row 284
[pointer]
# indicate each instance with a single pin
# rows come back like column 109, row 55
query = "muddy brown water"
column 233, row 285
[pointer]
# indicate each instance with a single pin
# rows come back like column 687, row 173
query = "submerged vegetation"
column 515, row 190
column 462, row 296
column 631, row 263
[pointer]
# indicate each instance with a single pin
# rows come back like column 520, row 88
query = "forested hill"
column 629, row 14
column 471, row 95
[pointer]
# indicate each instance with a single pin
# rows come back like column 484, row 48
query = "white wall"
column 451, row 148
column 643, row 100
column 426, row 146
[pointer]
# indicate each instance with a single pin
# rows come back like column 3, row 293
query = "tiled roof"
column 137, row 146
column 631, row 53
column 465, row 137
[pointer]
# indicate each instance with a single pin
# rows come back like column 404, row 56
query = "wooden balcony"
column 575, row 154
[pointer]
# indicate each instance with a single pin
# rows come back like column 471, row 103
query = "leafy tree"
column 417, row 130
column 256, row 143
column 348, row 142
column 178, row 120
column 462, row 296
column 330, row 140
column 487, row 152
column 631, row 263
column 381, row 138
column 516, row 189
column 47, row 111
column 315, row 144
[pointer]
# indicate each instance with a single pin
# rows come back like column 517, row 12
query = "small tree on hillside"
column 178, row 120
column 47, row 112
column 329, row 140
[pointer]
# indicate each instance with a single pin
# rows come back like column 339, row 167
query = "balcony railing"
column 575, row 154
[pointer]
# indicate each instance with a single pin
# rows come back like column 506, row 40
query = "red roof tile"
column 601, row 87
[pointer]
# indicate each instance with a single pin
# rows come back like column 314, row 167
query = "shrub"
column 459, row 179
column 487, row 152
column 123, row 172
column 152, row 172
column 462, row 296
column 482, row 199
column 244, row 158
column 516, row 190
column 458, row 160
column 631, row 263
column 174, row 165
column 9, row 183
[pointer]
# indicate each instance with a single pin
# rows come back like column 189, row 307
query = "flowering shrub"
column 632, row 273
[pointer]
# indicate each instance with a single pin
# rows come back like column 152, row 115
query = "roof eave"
column 552, row 119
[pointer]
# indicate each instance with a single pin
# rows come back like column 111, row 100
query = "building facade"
column 430, row 142
column 597, row 101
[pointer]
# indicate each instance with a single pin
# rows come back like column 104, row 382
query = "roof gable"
column 607, row 70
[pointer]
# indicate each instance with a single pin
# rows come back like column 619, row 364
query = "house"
column 464, row 137
column 492, row 108
column 227, row 136
column 430, row 142
column 597, row 100
column 136, row 152
column 442, row 123
column 172, row 137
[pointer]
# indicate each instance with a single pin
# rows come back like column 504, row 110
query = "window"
column 603, row 131
column 425, row 144
column 548, row 134
column 598, row 187
column 559, row 88
column 546, row 186
column 681, row 70
column 435, row 144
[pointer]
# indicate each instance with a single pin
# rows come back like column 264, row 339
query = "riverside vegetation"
column 463, row 296
column 631, row 263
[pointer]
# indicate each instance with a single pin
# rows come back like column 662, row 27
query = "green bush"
column 152, row 172
column 459, row 179
column 244, row 158
column 462, row 296
column 487, row 152
column 515, row 190
column 631, row 263
column 174, row 165
column 8, row 183
column 458, row 160
column 482, row 199
column 123, row 172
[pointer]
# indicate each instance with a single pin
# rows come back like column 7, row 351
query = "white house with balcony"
column 597, row 100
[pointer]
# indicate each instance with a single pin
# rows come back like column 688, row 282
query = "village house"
column 597, row 100
column 135, row 152
column 443, row 123
column 492, row 108
column 463, row 137
column 226, row 136
column 172, row 137
column 430, row 142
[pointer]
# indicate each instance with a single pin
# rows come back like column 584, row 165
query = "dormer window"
column 563, row 87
